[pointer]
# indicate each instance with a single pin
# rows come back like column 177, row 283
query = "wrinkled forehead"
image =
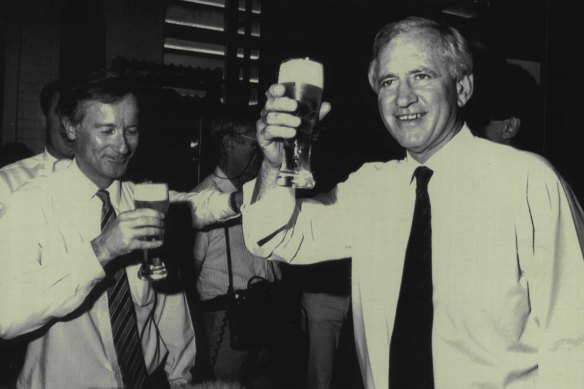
column 104, row 104
column 418, row 40
column 413, row 49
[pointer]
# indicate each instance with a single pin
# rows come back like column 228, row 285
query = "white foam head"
column 301, row 70
column 151, row 192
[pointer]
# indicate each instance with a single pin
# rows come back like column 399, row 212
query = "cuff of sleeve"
column 89, row 267
column 264, row 220
column 180, row 383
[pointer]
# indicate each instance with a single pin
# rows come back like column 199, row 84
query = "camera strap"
column 229, row 264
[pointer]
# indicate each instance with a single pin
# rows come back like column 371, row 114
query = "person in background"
column 19, row 172
column 57, row 147
column 70, row 245
column 506, row 106
column 326, row 301
column 466, row 265
column 239, row 160
column 505, row 110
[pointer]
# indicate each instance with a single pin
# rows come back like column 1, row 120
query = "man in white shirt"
column 13, row 176
column 239, row 161
column 57, row 147
column 507, row 270
column 60, row 258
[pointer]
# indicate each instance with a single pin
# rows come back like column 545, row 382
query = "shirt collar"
column 85, row 189
column 52, row 164
column 223, row 184
column 447, row 155
column 49, row 161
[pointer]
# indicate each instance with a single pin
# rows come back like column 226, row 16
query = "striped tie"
column 123, row 316
column 410, row 355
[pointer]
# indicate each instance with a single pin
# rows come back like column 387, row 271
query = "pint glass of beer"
column 153, row 196
column 303, row 79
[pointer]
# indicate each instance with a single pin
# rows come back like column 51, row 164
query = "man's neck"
column 51, row 150
column 426, row 154
column 231, row 173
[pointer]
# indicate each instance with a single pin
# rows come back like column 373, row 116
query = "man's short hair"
column 241, row 121
column 47, row 93
column 455, row 47
column 101, row 85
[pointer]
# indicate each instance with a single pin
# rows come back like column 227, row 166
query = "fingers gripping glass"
column 303, row 80
column 153, row 196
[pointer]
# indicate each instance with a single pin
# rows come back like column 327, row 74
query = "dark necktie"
column 123, row 316
column 410, row 355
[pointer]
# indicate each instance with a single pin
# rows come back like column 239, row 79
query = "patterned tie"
column 123, row 316
column 410, row 355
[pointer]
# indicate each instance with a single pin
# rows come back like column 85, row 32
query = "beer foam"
column 151, row 192
column 301, row 70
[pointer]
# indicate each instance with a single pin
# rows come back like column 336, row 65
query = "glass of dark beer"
column 153, row 196
column 303, row 79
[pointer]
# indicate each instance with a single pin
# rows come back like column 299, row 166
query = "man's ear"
column 464, row 88
column 371, row 75
column 511, row 129
column 70, row 129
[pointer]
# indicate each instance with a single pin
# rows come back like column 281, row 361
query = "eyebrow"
column 106, row 124
column 413, row 71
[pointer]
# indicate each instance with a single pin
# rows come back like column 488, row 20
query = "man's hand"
column 279, row 121
column 128, row 232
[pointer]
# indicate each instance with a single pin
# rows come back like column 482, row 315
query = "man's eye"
column 132, row 130
column 108, row 131
column 386, row 83
column 422, row 76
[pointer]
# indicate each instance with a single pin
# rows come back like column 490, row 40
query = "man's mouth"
column 409, row 117
column 118, row 160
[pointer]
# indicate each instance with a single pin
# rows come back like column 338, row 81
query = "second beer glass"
column 153, row 196
column 303, row 79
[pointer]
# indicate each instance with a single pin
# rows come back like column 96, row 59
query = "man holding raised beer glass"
column 71, row 246
column 467, row 268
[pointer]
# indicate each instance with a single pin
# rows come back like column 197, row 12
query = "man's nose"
column 405, row 95
column 122, row 145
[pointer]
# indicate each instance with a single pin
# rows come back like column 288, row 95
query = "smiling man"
column 467, row 268
column 71, row 246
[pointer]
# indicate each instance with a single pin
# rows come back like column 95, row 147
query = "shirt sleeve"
column 177, row 333
column 298, row 231
column 6, row 190
column 45, row 275
column 556, row 281
column 208, row 206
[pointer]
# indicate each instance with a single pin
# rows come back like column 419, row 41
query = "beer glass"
column 303, row 80
column 153, row 196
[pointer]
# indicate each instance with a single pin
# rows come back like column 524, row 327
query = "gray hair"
column 455, row 47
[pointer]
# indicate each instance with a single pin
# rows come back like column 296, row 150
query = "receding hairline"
column 78, row 114
column 451, row 44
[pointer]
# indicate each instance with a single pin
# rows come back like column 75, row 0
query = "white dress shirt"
column 507, row 267
column 15, row 175
column 210, row 251
column 49, row 271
